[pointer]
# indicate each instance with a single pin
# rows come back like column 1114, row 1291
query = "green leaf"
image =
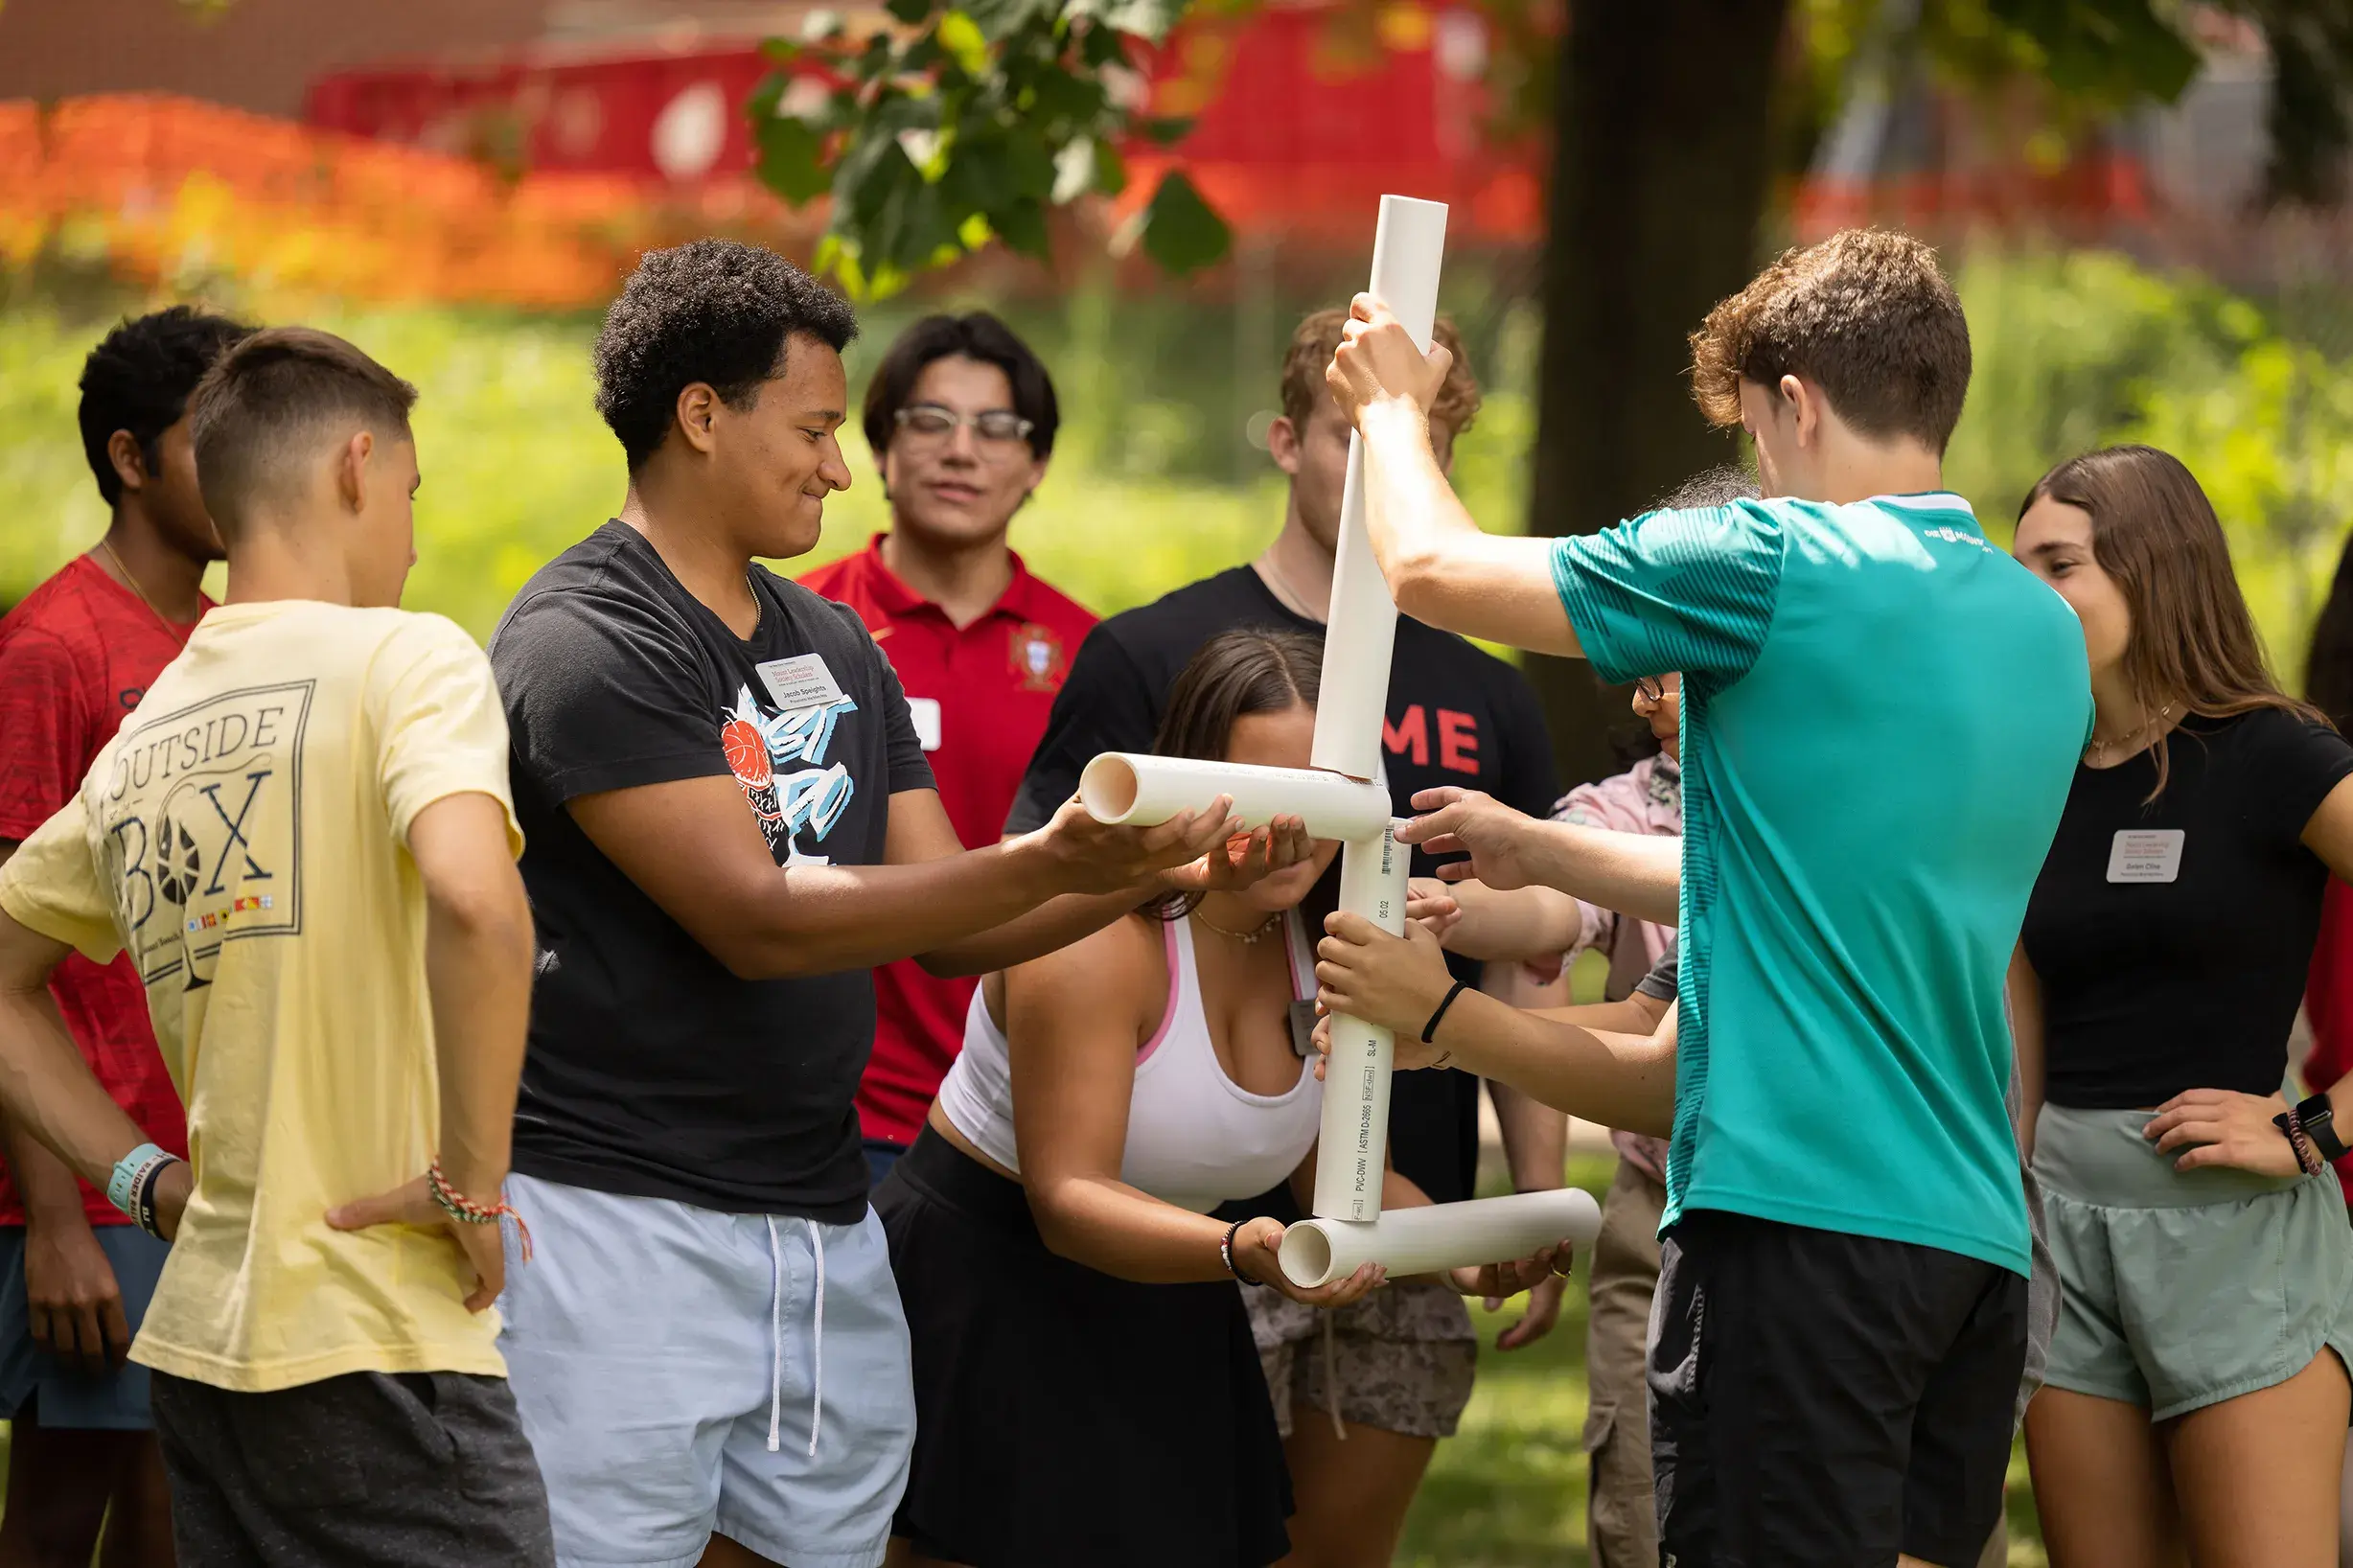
column 782, row 51
column 910, row 11
column 961, row 36
column 1022, row 226
column 1166, row 131
column 792, row 159
column 1180, row 231
column 1110, row 170
column 2107, row 50
column 1028, row 167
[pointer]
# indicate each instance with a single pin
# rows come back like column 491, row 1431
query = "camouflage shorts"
column 1403, row 1357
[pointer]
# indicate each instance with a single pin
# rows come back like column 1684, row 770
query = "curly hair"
column 976, row 335
column 711, row 311
column 1866, row 316
column 139, row 378
column 1317, row 338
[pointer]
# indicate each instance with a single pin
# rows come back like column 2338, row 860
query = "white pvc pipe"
column 1351, row 1150
column 1452, row 1235
column 1408, row 245
column 1119, row 787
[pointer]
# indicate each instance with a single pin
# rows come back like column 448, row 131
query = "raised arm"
column 1441, row 567
column 1074, row 1021
column 1633, row 873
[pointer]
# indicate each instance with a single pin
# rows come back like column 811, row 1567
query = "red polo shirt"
column 981, row 697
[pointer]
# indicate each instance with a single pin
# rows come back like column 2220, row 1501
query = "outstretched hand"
column 1244, row 858
column 1394, row 982
column 1456, row 822
column 1543, row 1309
column 412, row 1203
column 1256, row 1248
column 1378, row 361
column 1098, row 858
column 1498, row 1281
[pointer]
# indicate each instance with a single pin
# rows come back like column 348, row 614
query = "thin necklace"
column 2099, row 751
column 1248, row 938
column 168, row 621
column 1291, row 598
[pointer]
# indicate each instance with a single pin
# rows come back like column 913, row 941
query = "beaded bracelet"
column 464, row 1209
column 1224, row 1254
column 2307, row 1158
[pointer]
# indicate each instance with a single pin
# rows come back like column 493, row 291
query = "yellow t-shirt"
column 245, row 836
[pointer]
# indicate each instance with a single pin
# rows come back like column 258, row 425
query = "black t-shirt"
column 1455, row 716
column 653, row 1072
column 2172, row 938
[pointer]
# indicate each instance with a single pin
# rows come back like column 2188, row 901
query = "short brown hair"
column 1866, row 316
column 250, row 412
column 1317, row 338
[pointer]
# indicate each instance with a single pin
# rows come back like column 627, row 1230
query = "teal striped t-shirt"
column 1881, row 717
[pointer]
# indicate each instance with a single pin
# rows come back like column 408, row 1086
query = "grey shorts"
column 1402, row 1359
column 366, row 1470
column 2183, row 1289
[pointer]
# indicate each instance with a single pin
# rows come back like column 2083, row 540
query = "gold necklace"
column 1248, row 938
column 2099, row 751
column 151, row 608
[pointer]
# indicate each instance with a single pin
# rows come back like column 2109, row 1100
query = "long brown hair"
column 1234, row 675
column 2193, row 645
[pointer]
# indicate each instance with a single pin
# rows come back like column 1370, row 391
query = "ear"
column 1282, row 444
column 698, row 415
column 351, row 470
column 130, row 463
column 1805, row 406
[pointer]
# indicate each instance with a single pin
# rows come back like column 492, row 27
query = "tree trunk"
column 1660, row 175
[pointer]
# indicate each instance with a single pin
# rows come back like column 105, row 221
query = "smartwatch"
column 2318, row 1126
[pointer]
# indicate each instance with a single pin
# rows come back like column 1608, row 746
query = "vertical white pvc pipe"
column 1407, row 248
column 1352, row 1144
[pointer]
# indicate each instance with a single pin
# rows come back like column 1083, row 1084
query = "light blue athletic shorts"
column 682, row 1372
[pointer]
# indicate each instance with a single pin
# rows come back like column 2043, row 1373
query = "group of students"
column 871, row 1155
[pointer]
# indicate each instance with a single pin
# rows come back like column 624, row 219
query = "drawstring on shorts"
column 776, row 1338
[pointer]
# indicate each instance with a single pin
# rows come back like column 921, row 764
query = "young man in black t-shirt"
column 1455, row 716
column 729, row 821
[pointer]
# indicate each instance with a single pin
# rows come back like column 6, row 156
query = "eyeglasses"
column 1650, row 689
column 933, row 423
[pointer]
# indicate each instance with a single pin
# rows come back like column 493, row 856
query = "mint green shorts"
column 2182, row 1290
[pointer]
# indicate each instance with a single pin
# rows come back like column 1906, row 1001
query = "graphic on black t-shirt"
column 779, row 759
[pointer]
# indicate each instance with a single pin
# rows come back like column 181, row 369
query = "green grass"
column 1507, row 1491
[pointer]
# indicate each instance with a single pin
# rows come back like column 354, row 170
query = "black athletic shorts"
column 1822, row 1400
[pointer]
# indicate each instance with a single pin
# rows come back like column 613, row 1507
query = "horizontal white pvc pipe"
column 1408, row 245
column 1121, row 787
column 1352, row 1147
column 1452, row 1235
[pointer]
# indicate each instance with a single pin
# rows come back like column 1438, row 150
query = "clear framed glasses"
column 930, row 422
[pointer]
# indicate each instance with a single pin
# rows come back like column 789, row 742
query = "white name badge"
column 2152, row 855
column 799, row 682
column 925, row 712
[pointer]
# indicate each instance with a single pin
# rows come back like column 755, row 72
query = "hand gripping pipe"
column 1343, row 798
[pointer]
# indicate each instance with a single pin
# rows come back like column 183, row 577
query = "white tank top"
column 1196, row 1137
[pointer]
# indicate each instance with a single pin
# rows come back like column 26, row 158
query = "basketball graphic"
column 177, row 865
column 747, row 751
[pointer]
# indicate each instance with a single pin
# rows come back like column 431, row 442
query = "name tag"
column 2152, row 855
column 799, row 682
column 925, row 712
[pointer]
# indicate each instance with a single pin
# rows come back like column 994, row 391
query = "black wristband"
column 2319, row 1120
column 1430, row 1030
column 1225, row 1253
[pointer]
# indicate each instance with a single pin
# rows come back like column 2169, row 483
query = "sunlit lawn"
column 1509, row 1490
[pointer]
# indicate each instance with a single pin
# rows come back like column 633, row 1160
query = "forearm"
column 1115, row 1229
column 1049, row 928
column 818, row 919
column 48, row 1091
column 1640, row 874
column 1618, row 1080
column 1522, row 926
column 49, row 1190
column 1441, row 567
column 478, row 966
